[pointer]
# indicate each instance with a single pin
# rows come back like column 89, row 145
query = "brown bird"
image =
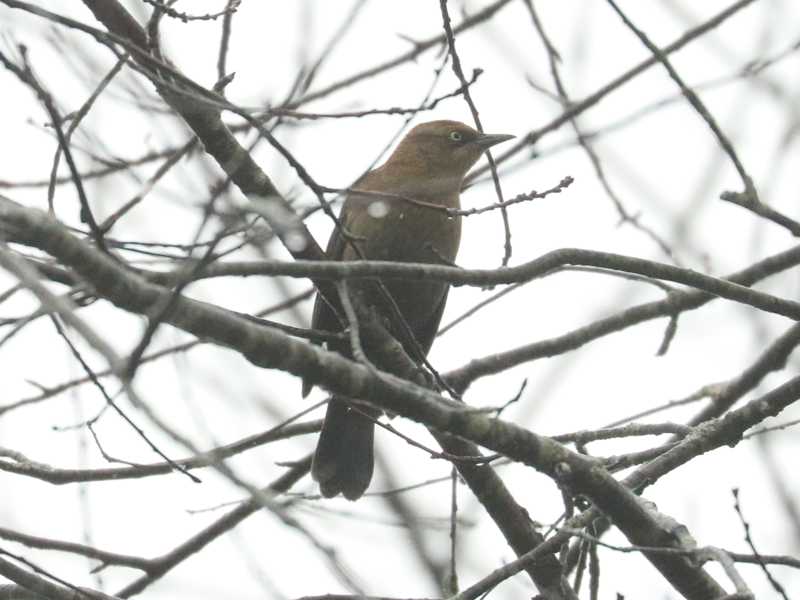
column 428, row 166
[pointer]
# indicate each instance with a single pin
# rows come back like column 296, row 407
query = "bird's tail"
column 343, row 460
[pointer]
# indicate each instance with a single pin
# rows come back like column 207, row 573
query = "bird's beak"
column 487, row 140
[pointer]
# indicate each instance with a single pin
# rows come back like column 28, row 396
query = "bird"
column 396, row 212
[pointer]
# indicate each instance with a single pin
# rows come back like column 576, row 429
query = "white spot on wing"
column 377, row 209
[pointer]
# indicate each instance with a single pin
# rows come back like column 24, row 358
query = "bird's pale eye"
column 456, row 136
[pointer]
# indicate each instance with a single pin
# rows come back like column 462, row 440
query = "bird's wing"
column 323, row 317
column 426, row 332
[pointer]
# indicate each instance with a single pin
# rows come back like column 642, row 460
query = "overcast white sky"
column 665, row 166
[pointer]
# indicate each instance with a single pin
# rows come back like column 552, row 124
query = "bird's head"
column 442, row 151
